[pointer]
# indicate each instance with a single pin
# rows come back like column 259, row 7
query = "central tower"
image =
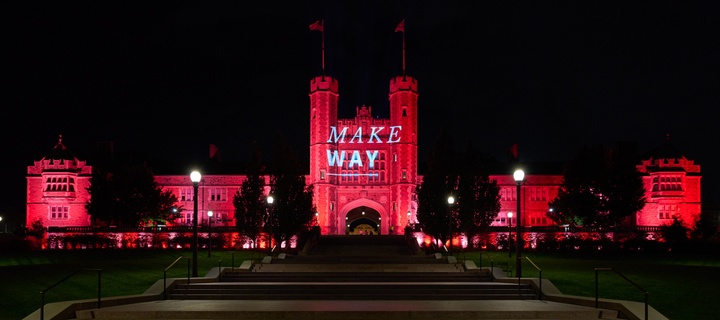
column 363, row 164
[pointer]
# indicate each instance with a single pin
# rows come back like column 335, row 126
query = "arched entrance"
column 363, row 217
column 362, row 221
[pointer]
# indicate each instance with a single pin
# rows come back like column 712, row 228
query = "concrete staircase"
column 352, row 277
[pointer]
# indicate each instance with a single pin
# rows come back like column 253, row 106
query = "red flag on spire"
column 317, row 26
column 401, row 26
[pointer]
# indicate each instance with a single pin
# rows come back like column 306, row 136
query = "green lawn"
column 23, row 275
column 680, row 286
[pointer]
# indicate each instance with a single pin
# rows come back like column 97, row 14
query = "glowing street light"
column 195, row 178
column 519, row 176
column 210, row 214
column 451, row 201
column 270, row 201
column 509, row 215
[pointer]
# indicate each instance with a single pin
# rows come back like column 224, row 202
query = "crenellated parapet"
column 324, row 83
column 403, row 83
column 674, row 164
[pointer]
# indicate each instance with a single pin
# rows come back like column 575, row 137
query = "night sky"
column 169, row 78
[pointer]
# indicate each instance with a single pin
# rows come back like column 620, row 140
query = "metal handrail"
column 165, row 275
column 42, row 293
column 489, row 257
column 232, row 263
column 540, row 272
column 628, row 280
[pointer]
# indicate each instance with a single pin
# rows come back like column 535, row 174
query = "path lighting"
column 519, row 176
column 270, row 201
column 195, row 178
column 210, row 214
column 451, row 201
column 509, row 215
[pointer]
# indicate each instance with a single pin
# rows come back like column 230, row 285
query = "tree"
column 675, row 234
column 625, row 192
column 101, row 206
column 600, row 187
column 705, row 227
column 434, row 214
column 249, row 201
column 128, row 195
column 478, row 198
column 293, row 207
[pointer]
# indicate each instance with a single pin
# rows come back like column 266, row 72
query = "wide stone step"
column 356, row 277
column 346, row 309
column 352, row 290
column 386, row 267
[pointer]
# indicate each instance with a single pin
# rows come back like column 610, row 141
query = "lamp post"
column 509, row 215
column 519, row 175
column 270, row 201
column 210, row 214
column 195, row 178
column 451, row 200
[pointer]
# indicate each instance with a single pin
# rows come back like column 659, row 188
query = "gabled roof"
column 60, row 152
column 665, row 151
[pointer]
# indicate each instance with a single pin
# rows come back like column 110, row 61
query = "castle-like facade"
column 364, row 171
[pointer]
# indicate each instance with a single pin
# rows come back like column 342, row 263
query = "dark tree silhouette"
column 127, row 195
column 478, row 198
column 601, row 187
column 434, row 214
column 293, row 208
column 250, row 201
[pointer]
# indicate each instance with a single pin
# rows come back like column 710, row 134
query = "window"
column 507, row 194
column 186, row 218
column 538, row 220
column 667, row 211
column 394, row 157
column 186, row 194
column 667, row 183
column 62, row 184
column 538, row 194
column 322, row 174
column 218, row 194
column 404, row 112
column 59, row 213
column 404, row 174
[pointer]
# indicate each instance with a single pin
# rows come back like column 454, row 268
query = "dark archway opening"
column 363, row 221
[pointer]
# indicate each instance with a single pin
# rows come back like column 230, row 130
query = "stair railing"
column 645, row 292
column 168, row 268
column 492, row 264
column 232, row 263
column 540, row 277
column 42, row 293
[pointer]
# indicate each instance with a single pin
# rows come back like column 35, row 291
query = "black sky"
column 168, row 78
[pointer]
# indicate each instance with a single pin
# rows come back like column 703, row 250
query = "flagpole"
column 401, row 28
column 403, row 50
column 323, row 49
